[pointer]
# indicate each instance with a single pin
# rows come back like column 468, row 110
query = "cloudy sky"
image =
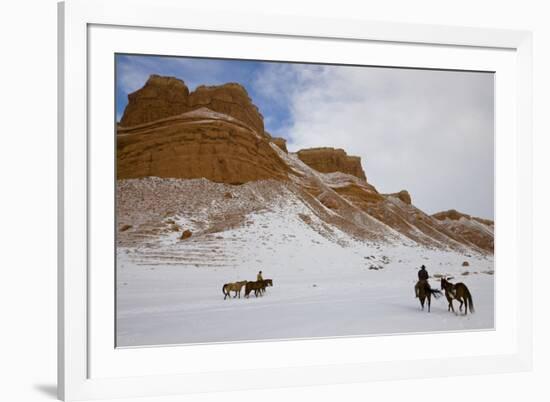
column 429, row 132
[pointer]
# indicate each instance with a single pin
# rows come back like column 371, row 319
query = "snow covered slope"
column 329, row 279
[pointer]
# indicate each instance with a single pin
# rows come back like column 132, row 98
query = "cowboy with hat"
column 422, row 277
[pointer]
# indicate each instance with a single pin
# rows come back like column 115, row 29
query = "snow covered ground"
column 325, row 283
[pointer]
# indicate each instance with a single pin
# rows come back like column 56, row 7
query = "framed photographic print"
column 243, row 199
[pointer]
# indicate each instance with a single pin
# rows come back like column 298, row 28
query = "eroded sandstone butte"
column 163, row 97
column 197, row 144
column 159, row 98
column 215, row 132
column 230, row 99
column 328, row 160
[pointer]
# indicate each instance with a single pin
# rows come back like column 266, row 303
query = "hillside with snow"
column 327, row 282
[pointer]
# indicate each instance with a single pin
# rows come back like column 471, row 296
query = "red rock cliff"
column 163, row 97
column 230, row 99
column 328, row 160
column 159, row 98
column 197, row 144
column 214, row 132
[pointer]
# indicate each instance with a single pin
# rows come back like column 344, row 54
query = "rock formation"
column 186, row 234
column 230, row 99
column 403, row 195
column 475, row 230
column 454, row 215
column 197, row 144
column 163, row 97
column 327, row 160
column 280, row 142
column 215, row 132
column 159, row 98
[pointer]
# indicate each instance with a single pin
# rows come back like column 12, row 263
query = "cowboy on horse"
column 422, row 277
column 423, row 289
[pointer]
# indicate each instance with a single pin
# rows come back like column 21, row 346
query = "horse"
column 235, row 287
column 268, row 282
column 425, row 292
column 258, row 287
column 459, row 292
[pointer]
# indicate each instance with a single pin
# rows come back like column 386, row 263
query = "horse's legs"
column 461, row 304
column 422, row 303
column 429, row 302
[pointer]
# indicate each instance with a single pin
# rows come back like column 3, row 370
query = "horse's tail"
column 223, row 290
column 470, row 301
column 436, row 293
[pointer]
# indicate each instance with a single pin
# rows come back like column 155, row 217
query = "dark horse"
column 258, row 287
column 459, row 292
column 268, row 282
column 425, row 292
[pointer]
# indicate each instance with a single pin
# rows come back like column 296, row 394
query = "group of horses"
column 457, row 291
column 259, row 288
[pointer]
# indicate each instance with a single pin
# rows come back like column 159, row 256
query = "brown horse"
column 459, row 292
column 233, row 287
column 258, row 287
column 425, row 292
column 268, row 282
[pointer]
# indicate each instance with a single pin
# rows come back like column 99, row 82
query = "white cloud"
column 430, row 132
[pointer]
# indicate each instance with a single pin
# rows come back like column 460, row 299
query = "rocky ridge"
column 476, row 230
column 163, row 97
column 195, row 144
column 328, row 160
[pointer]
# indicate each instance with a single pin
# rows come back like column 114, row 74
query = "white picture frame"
column 89, row 368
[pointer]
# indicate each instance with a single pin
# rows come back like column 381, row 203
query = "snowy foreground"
column 324, row 285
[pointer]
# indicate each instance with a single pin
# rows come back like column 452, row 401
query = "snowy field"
column 324, row 284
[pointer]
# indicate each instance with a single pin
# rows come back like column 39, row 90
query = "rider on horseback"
column 422, row 277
